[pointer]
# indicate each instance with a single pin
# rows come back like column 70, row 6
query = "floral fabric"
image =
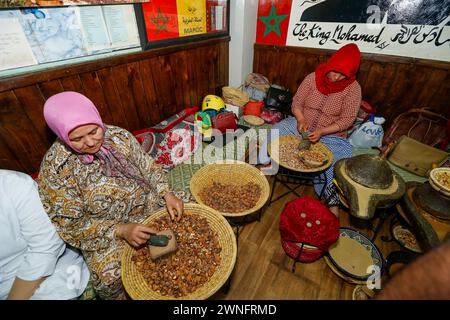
column 86, row 206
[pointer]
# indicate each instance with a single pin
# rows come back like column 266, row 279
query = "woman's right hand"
column 302, row 126
column 134, row 233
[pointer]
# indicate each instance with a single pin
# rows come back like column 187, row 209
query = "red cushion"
column 307, row 220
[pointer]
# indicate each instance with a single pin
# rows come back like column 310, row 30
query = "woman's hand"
column 302, row 126
column 175, row 206
column 315, row 135
column 134, row 233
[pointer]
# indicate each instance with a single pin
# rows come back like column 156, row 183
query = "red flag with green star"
column 273, row 21
column 161, row 19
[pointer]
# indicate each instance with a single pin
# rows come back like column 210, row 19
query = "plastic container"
column 253, row 108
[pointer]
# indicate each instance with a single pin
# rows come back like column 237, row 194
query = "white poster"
column 121, row 25
column 94, row 28
column 411, row 28
column 15, row 51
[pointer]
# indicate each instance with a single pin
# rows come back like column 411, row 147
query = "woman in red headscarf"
column 325, row 106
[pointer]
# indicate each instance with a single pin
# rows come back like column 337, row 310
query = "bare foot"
column 335, row 211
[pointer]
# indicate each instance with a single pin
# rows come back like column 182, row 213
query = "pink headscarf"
column 68, row 110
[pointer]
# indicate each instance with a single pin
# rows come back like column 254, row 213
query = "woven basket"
column 319, row 146
column 235, row 96
column 230, row 172
column 135, row 284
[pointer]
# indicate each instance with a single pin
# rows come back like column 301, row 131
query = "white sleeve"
column 44, row 246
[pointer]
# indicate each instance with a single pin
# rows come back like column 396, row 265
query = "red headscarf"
column 345, row 61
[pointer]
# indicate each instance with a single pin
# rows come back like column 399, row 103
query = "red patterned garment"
column 322, row 110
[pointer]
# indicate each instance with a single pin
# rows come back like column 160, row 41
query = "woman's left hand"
column 175, row 206
column 315, row 135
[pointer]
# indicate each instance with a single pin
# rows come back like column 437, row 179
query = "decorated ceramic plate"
column 355, row 255
column 340, row 274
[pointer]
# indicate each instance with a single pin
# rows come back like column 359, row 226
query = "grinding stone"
column 157, row 252
column 369, row 171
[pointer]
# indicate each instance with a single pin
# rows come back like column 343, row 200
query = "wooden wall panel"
column 133, row 91
column 18, row 132
column 153, row 110
column 392, row 84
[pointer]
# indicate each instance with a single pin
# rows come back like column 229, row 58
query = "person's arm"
column 155, row 176
column 23, row 289
column 64, row 205
column 44, row 246
column 299, row 100
column 428, row 278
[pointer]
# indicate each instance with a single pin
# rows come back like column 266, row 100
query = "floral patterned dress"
column 86, row 206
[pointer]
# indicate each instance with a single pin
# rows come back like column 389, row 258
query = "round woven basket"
column 234, row 95
column 318, row 146
column 137, row 287
column 230, row 172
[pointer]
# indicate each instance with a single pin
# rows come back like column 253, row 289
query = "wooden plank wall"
column 134, row 91
column 391, row 84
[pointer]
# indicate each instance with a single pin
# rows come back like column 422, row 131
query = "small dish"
column 440, row 180
column 361, row 293
column 405, row 238
column 313, row 158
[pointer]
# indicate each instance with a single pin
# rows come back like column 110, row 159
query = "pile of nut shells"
column 191, row 266
column 289, row 156
column 230, row 197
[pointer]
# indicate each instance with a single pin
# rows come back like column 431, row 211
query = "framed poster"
column 168, row 22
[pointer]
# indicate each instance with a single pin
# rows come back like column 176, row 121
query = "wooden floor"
column 263, row 270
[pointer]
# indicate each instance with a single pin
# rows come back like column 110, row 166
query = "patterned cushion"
column 172, row 141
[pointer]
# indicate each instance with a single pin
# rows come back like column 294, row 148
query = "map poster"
column 419, row 29
column 161, row 19
column 191, row 17
column 273, row 21
column 55, row 3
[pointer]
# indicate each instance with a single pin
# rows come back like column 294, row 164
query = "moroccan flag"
column 273, row 21
column 161, row 19
column 191, row 17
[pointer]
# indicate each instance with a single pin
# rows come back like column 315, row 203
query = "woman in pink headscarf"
column 97, row 185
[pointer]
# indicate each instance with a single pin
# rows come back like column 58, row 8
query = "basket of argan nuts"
column 233, row 188
column 285, row 151
column 204, row 259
